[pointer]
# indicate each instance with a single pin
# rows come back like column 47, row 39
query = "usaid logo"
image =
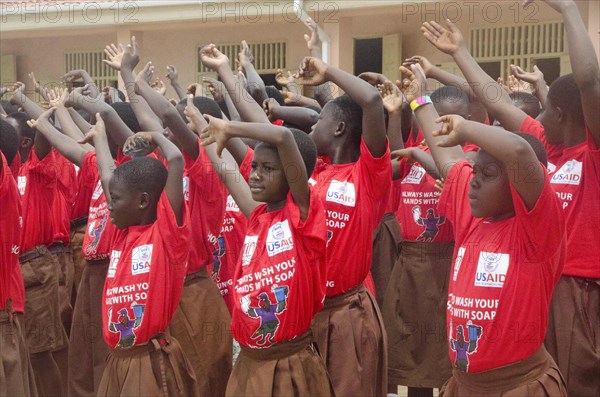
column 491, row 269
column 342, row 193
column 279, row 238
column 97, row 190
column 21, row 183
column 140, row 259
column 114, row 261
column 231, row 205
column 568, row 174
column 248, row 249
column 415, row 175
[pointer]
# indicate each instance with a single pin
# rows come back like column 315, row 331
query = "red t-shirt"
column 63, row 203
column 354, row 196
column 231, row 239
column 205, row 195
column 535, row 128
column 145, row 278
column 86, row 186
column 37, row 183
column 15, row 165
column 100, row 229
column 502, row 277
column 575, row 178
column 11, row 279
column 279, row 282
column 418, row 211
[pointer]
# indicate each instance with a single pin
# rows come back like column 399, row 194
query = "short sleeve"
column 203, row 174
column 313, row 230
column 246, row 166
column 375, row 173
column 454, row 201
column 88, row 173
column 175, row 237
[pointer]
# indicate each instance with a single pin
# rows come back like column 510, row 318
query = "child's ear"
column 341, row 128
column 144, row 200
column 559, row 114
column 26, row 142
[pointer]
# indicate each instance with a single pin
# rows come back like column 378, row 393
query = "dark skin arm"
column 450, row 41
column 65, row 145
column 81, row 123
column 315, row 72
column 392, row 102
column 302, row 117
column 87, row 80
column 535, row 78
column 20, row 99
column 583, row 61
column 173, row 77
column 282, row 138
column 414, row 155
column 517, row 157
column 256, row 86
column 57, row 98
column 414, row 86
column 106, row 165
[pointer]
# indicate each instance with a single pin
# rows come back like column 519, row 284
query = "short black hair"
column 564, row 93
column 348, row 111
column 306, row 147
column 127, row 114
column 451, row 96
column 142, row 174
column 8, row 107
column 537, row 146
column 204, row 104
column 9, row 141
column 273, row 92
column 526, row 102
column 24, row 130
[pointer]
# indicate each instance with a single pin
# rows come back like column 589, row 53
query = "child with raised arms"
column 279, row 282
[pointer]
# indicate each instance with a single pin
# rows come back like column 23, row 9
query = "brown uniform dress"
column 201, row 325
column 386, row 246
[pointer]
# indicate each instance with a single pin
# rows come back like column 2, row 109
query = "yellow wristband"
column 420, row 101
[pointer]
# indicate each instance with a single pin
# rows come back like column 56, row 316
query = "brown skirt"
column 77, row 235
column 16, row 374
column 414, row 314
column 201, row 325
column 292, row 368
column 158, row 368
column 43, row 328
column 573, row 335
column 386, row 246
column 535, row 376
column 87, row 349
column 64, row 256
column 351, row 338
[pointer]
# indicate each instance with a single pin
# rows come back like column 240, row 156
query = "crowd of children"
column 264, row 243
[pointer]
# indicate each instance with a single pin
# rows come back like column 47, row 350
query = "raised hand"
column 268, row 106
column 413, row 83
column 131, row 55
column 245, row 56
column 44, row 118
column 532, row 78
column 212, row 58
column 313, row 41
column 72, row 75
column 38, row 87
column 172, row 74
column 159, row 86
column 146, row 74
column 312, row 71
column 446, row 40
column 111, row 95
column 98, row 129
column 516, row 85
column 193, row 115
column 139, row 145
column 216, row 88
column 375, row 79
column 283, row 80
column 195, row 89
column 115, row 55
column 451, row 123
column 216, row 132
column 57, row 97
column 403, row 154
column 421, row 60
column 392, row 97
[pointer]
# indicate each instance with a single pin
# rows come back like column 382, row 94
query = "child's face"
column 548, row 117
column 323, row 130
column 490, row 195
column 123, row 205
column 267, row 182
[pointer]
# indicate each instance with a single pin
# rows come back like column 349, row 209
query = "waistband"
column 33, row 253
column 425, row 249
column 98, row 262
column 344, row 298
column 506, row 377
column 281, row 349
column 77, row 223
column 200, row 273
column 157, row 342
column 7, row 314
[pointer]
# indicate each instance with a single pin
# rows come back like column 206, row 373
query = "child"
column 569, row 126
column 354, row 187
column 279, row 283
column 149, row 254
column 16, row 374
column 504, row 255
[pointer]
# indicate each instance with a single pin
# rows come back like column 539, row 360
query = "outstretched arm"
column 520, row 163
column 106, row 165
column 20, row 99
column 315, row 72
column 302, row 117
column 87, row 80
column 173, row 77
column 583, row 61
column 497, row 102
